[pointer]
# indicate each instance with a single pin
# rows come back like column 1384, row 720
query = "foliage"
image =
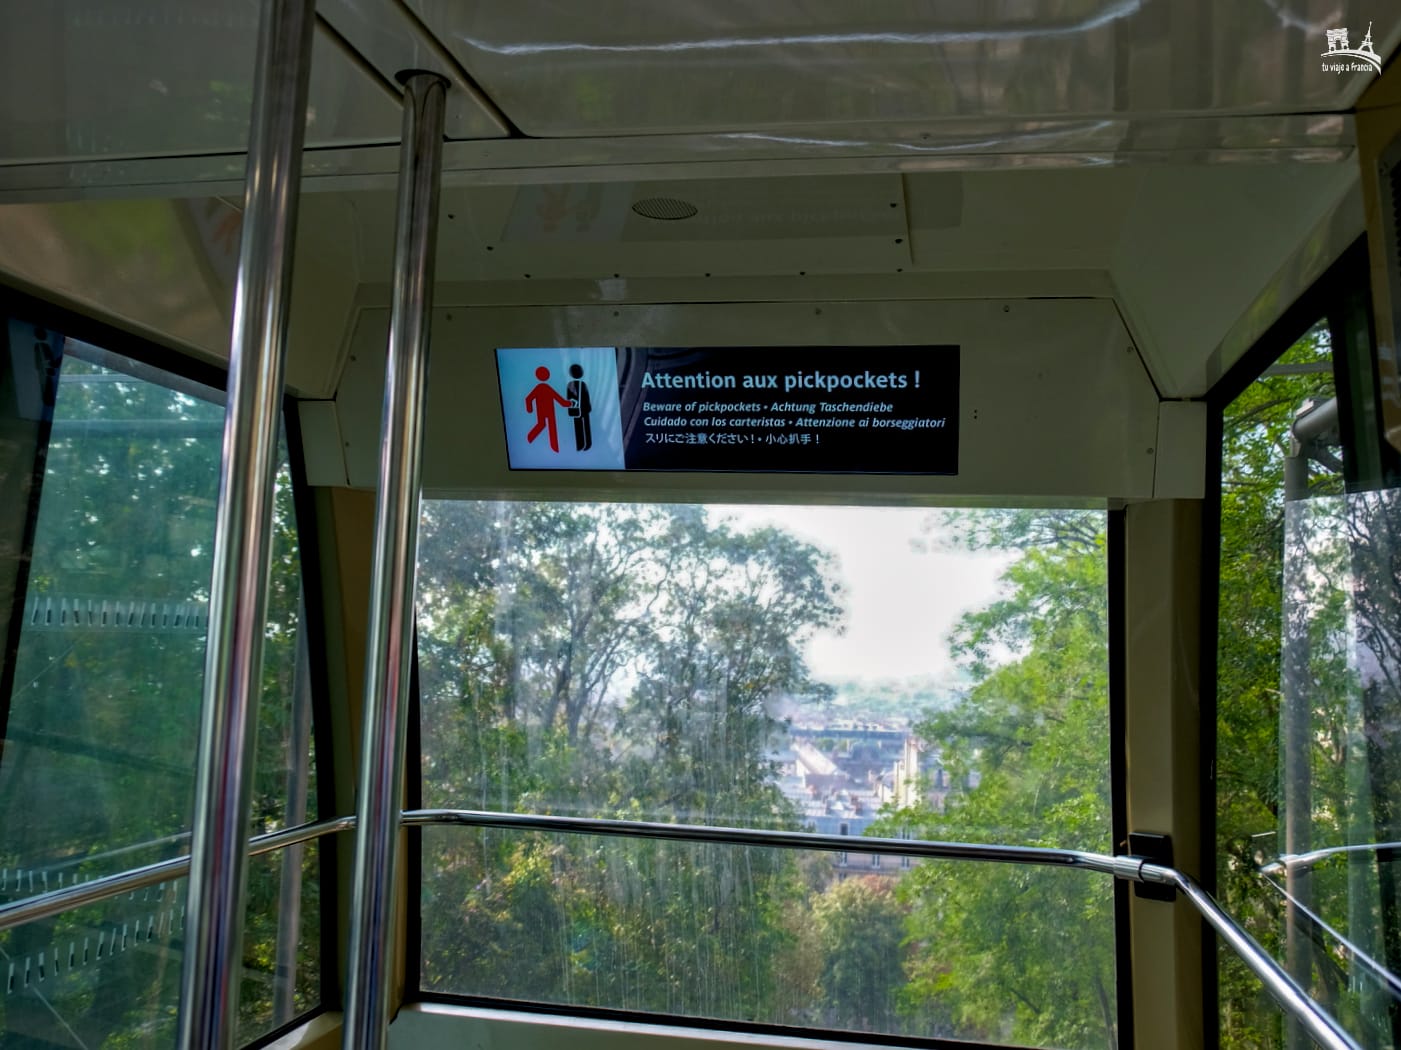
column 627, row 662
column 1255, row 442
column 860, row 928
column 1306, row 694
column 611, row 661
column 1031, row 737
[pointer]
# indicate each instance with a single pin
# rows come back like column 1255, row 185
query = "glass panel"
column 842, row 670
column 690, row 930
column 1309, row 667
column 109, row 974
column 104, row 713
column 99, row 729
column 281, row 941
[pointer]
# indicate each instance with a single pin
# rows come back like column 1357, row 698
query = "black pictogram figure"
column 579, row 408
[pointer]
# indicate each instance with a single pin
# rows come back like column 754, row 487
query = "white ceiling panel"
column 84, row 79
column 681, row 227
column 559, row 67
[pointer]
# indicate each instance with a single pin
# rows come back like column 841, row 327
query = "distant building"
column 840, row 775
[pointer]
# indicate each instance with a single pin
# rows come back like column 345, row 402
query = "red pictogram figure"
column 542, row 400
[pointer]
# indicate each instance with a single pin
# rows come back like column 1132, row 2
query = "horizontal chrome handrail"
column 1045, row 856
column 1284, row 989
column 55, row 902
column 1286, row 992
column 1287, row 862
column 1292, row 999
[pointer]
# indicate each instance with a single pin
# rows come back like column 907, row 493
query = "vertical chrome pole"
column 289, row 898
column 243, row 529
column 390, row 634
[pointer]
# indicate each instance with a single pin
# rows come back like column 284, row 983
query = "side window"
column 1309, row 689
column 100, row 712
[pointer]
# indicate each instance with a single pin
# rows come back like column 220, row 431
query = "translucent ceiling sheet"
column 98, row 81
column 614, row 66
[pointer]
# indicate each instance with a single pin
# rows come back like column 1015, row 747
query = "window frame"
column 1116, row 702
column 73, row 324
column 1342, row 298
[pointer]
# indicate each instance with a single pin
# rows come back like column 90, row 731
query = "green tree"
column 860, row 930
column 1028, row 750
column 1255, row 442
column 615, row 661
column 1306, row 693
column 731, row 616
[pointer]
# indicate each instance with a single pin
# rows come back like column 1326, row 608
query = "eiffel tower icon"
column 1366, row 45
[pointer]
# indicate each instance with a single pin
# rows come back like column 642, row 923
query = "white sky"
column 900, row 603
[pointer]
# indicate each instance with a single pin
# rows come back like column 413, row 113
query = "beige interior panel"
column 1081, row 425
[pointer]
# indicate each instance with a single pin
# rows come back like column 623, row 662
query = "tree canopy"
column 627, row 661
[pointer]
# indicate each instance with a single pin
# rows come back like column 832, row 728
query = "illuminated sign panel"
column 838, row 410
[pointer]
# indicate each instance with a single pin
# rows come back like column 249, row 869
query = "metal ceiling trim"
column 336, row 39
column 961, row 146
column 915, row 287
column 459, row 78
column 393, row 39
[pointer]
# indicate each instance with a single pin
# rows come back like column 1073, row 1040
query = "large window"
column 1309, row 687
column 110, row 559
column 849, row 671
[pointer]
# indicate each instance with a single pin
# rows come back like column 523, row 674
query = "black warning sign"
column 848, row 410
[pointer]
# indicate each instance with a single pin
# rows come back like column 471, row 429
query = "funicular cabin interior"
column 599, row 315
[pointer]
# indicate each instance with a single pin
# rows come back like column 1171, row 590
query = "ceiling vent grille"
column 669, row 209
